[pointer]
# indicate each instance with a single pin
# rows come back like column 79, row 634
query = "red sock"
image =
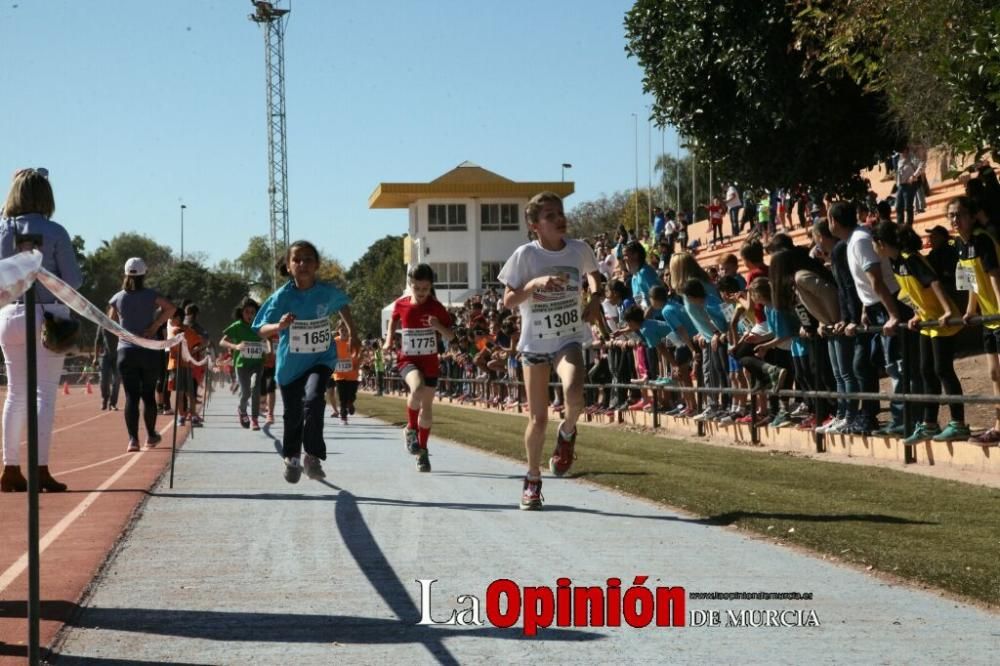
column 423, row 434
column 411, row 418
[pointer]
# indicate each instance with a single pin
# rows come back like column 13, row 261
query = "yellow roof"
column 467, row 180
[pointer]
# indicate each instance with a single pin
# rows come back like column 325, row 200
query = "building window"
column 446, row 217
column 451, row 276
column 488, row 274
column 499, row 217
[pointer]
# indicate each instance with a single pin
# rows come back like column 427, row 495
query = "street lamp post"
column 182, row 231
column 565, row 166
column 635, row 118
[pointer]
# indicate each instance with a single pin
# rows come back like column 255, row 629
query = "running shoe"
column 133, row 446
column 726, row 419
column 181, row 421
column 313, row 467
column 254, row 425
column 781, row 419
column 808, row 423
column 827, row 424
column 153, row 440
column 563, row 457
column 423, row 461
column 890, row 430
column 922, row 433
column 802, row 411
column 244, row 419
column 706, row 415
column 989, row 438
column 293, row 470
column 745, row 420
column 411, row 441
column 350, row 408
column 955, row 431
column 531, row 495
column 113, row 408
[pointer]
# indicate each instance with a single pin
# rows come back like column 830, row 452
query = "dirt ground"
column 974, row 374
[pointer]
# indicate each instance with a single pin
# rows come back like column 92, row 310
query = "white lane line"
column 104, row 462
column 16, row 569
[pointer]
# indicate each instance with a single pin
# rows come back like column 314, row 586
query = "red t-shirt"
column 419, row 341
column 715, row 214
column 758, row 308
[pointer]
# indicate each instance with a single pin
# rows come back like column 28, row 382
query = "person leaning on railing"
column 978, row 273
column 921, row 288
column 29, row 205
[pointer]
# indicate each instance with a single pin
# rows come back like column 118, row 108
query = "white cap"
column 135, row 266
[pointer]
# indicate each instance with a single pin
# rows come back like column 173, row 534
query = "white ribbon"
column 18, row 273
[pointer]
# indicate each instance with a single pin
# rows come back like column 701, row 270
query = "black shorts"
column 991, row 340
column 682, row 355
column 269, row 384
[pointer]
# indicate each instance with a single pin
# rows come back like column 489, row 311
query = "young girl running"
column 420, row 318
column 345, row 374
column 300, row 312
column 248, row 357
column 544, row 279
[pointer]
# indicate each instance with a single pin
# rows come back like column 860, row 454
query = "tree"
column 103, row 269
column 666, row 166
column 375, row 280
column 216, row 293
column 256, row 264
column 942, row 81
column 725, row 73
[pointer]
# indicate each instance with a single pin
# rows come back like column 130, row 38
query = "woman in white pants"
column 27, row 210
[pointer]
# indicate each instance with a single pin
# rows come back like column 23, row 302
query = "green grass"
column 939, row 533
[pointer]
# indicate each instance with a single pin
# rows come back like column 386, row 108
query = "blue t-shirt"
column 659, row 224
column 318, row 302
column 675, row 315
column 653, row 331
column 786, row 325
column 644, row 280
column 711, row 314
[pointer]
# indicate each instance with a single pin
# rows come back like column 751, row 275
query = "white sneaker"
column 705, row 415
column 836, row 426
column 293, row 470
column 800, row 411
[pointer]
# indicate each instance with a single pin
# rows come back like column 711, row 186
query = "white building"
column 465, row 224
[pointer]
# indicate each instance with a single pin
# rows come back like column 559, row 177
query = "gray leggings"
column 249, row 377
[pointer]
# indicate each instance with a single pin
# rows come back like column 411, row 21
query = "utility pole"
column 635, row 118
column 273, row 21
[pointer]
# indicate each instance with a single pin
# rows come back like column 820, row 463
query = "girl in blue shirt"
column 300, row 313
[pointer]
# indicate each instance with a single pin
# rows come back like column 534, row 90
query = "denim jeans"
column 110, row 380
column 905, row 197
column 842, row 360
column 892, row 356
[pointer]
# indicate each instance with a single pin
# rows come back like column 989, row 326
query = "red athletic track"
column 88, row 450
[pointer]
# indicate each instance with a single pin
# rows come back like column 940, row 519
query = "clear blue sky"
column 135, row 105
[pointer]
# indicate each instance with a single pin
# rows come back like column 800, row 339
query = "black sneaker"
column 423, row 461
column 244, row 419
column 411, row 441
column 531, row 495
column 350, row 408
column 153, row 440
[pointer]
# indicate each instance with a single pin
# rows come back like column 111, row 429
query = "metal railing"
column 818, row 398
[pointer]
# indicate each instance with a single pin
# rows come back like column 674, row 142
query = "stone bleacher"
column 934, row 215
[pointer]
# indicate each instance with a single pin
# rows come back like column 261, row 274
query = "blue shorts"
column 734, row 365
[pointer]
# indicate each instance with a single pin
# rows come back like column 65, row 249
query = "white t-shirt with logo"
column 862, row 257
column 551, row 318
